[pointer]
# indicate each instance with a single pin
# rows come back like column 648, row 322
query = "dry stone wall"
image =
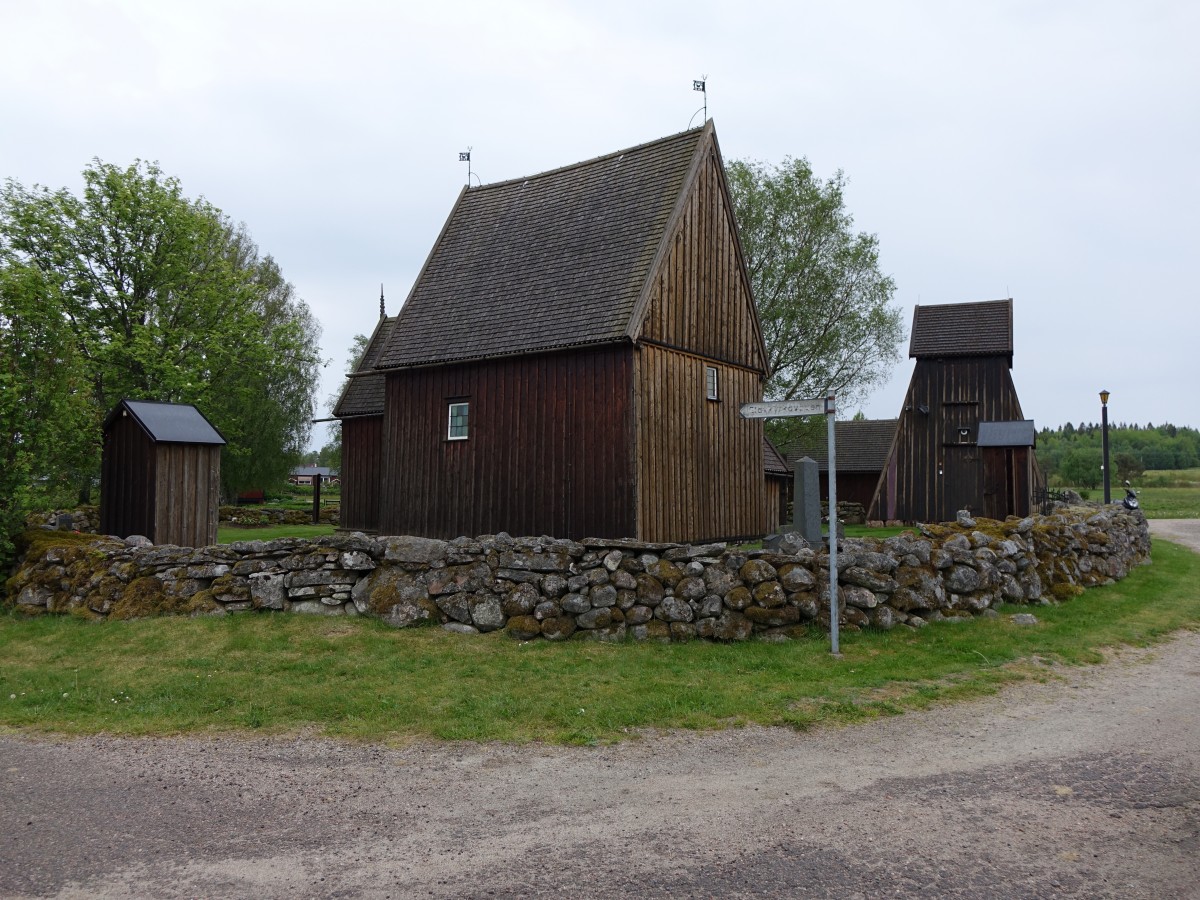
column 603, row 589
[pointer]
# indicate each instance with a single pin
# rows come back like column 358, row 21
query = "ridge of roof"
column 544, row 262
column 586, row 162
column 978, row 328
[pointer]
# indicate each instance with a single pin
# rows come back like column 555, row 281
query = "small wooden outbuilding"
column 160, row 473
column 862, row 448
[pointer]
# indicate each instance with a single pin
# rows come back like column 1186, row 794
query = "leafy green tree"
column 825, row 306
column 166, row 299
column 1082, row 468
column 46, row 414
column 1128, row 466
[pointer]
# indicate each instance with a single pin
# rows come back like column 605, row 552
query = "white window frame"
column 450, row 424
column 712, row 383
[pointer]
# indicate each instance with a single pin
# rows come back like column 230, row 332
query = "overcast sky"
column 1046, row 151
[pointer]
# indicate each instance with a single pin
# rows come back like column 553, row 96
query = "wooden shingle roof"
column 554, row 260
column 962, row 329
column 863, row 445
column 364, row 393
column 773, row 461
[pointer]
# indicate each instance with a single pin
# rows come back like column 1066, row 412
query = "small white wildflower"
column 12, row 696
column 66, row 695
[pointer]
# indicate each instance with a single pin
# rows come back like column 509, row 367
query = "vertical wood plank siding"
column 957, row 392
column 127, row 480
column 548, row 452
column 169, row 493
column 700, row 467
column 360, row 473
column 187, row 493
column 700, row 301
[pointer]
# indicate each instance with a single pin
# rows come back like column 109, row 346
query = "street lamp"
column 1104, row 435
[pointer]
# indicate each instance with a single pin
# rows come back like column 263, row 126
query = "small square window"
column 457, row 430
column 710, row 383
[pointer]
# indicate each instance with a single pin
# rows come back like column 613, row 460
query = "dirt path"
column 1181, row 531
column 1087, row 785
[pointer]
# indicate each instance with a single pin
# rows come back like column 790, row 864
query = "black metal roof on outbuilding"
column 168, row 423
column 1007, row 434
column 962, row 329
column 554, row 260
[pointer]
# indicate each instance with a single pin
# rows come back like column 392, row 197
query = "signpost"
column 782, row 409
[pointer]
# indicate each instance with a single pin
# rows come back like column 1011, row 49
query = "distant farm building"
column 962, row 441
column 863, row 447
column 571, row 361
column 305, row 475
column 160, row 474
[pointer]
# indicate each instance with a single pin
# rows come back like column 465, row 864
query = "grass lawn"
column 359, row 679
column 227, row 534
column 1179, row 500
column 881, row 533
column 1166, row 502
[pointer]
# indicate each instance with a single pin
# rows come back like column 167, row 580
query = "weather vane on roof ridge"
column 466, row 157
column 700, row 84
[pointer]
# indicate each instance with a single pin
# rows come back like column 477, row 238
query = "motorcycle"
column 1131, row 500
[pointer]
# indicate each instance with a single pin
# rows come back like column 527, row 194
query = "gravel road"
column 1086, row 785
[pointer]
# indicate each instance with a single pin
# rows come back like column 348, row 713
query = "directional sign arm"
column 786, row 409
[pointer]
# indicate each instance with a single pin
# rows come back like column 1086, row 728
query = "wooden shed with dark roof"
column 863, row 446
column 572, row 358
column 360, row 409
column 160, row 473
column 960, row 408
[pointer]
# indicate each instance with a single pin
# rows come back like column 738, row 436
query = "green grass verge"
column 1185, row 478
column 357, row 678
column 1167, row 502
column 1176, row 501
column 886, row 531
column 227, row 534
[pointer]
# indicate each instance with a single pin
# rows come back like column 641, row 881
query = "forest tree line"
column 1073, row 454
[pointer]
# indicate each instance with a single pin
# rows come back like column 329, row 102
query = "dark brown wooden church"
column 570, row 361
column 962, row 441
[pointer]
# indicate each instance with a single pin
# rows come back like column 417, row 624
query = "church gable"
column 698, row 297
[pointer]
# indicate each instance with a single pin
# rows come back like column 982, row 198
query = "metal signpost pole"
column 769, row 409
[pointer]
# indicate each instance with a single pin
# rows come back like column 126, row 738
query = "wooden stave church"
column 603, row 350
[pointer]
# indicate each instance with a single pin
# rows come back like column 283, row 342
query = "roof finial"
column 382, row 311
